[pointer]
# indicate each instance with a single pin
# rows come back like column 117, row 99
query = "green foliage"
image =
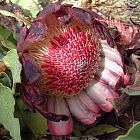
column 131, row 92
column 16, row 16
column 101, row 129
column 133, row 133
column 11, row 60
column 5, row 79
column 34, row 121
column 78, row 128
column 8, row 44
column 30, row 6
column 4, row 33
column 7, row 119
column 7, row 41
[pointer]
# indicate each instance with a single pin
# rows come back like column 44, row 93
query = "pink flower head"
column 71, row 66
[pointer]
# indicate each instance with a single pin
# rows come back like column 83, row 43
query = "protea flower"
column 71, row 66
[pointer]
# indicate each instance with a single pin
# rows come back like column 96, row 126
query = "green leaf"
column 7, row 119
column 3, row 51
column 8, row 44
column 34, row 121
column 17, row 16
column 100, row 130
column 131, row 92
column 78, row 128
column 133, row 133
column 5, row 79
column 11, row 60
column 1, row 54
column 30, row 5
column 4, row 32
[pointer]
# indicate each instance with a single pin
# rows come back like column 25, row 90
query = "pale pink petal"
column 80, row 111
column 113, row 66
column 59, row 106
column 100, row 94
column 111, row 53
column 88, row 102
column 105, row 44
column 109, row 77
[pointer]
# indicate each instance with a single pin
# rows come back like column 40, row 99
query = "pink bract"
column 71, row 66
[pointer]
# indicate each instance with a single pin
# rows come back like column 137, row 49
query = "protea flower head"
column 71, row 66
